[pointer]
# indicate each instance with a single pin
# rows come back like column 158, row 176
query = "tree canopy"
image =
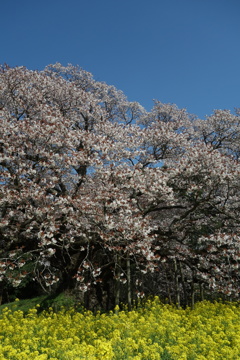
column 96, row 192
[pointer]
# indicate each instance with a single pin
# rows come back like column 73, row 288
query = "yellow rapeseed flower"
column 151, row 332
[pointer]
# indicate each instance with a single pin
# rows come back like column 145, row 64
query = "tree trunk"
column 183, row 285
column 117, row 283
column 192, row 295
column 176, row 284
column 201, row 291
column 129, row 289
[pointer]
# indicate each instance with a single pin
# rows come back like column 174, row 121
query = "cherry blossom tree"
column 95, row 191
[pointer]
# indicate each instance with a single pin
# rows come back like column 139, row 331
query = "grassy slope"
column 44, row 301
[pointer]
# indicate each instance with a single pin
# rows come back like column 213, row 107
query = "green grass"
column 45, row 301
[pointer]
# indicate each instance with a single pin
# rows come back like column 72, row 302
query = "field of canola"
column 152, row 332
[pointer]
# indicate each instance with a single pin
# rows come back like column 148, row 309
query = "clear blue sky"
column 185, row 52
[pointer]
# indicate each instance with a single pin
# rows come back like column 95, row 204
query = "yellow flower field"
column 152, row 332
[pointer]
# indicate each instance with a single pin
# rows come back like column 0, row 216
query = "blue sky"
column 185, row 52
